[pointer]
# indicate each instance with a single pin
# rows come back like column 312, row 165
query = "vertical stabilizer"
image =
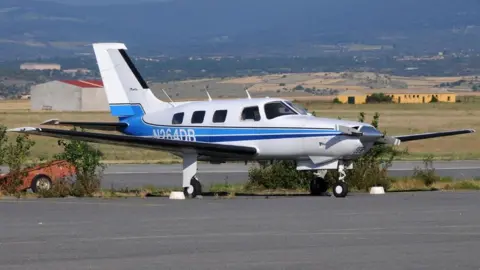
column 127, row 92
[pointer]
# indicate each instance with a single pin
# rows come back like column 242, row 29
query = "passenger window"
column 219, row 116
column 251, row 113
column 197, row 117
column 177, row 118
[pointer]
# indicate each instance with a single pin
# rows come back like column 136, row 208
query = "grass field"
column 394, row 118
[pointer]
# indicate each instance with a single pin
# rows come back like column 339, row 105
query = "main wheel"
column 318, row 186
column 41, row 182
column 340, row 189
column 194, row 189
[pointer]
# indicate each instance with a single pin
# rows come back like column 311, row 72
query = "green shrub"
column 379, row 98
column 278, row 175
column 14, row 155
column 428, row 175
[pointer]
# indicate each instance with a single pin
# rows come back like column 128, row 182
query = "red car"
column 41, row 176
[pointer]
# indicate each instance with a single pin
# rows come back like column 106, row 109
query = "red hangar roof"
column 84, row 84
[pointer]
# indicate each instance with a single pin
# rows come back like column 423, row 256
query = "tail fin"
column 127, row 92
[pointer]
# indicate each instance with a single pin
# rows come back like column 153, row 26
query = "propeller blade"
column 388, row 140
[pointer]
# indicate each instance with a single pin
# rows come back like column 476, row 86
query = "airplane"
column 218, row 131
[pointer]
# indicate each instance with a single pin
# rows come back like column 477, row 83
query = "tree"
column 379, row 98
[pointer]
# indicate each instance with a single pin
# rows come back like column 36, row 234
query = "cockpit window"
column 276, row 109
column 297, row 107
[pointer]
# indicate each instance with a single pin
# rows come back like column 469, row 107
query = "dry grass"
column 415, row 184
column 14, row 105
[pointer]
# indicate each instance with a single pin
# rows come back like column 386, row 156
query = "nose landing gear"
column 319, row 185
column 340, row 188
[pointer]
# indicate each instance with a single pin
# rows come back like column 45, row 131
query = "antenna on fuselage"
column 246, row 90
column 208, row 94
column 171, row 101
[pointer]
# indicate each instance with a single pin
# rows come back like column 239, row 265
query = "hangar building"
column 69, row 95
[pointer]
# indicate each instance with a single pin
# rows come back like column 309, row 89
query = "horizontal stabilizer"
column 201, row 148
column 108, row 126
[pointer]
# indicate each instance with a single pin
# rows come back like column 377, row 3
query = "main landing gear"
column 194, row 189
column 319, row 186
column 191, row 186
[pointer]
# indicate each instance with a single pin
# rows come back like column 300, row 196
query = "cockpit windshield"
column 276, row 109
column 297, row 107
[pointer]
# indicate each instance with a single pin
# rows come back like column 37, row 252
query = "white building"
column 40, row 66
column 69, row 95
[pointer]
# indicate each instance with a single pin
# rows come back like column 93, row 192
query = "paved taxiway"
column 435, row 230
column 170, row 175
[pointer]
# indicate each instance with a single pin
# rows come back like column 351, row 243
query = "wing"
column 108, row 126
column 395, row 140
column 206, row 149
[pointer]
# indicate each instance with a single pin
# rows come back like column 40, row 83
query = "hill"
column 267, row 27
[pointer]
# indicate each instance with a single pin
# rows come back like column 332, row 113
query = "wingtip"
column 53, row 121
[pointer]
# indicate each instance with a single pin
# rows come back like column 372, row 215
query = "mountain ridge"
column 184, row 27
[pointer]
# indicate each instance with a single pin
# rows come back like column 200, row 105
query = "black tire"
column 318, row 186
column 197, row 188
column 340, row 189
column 41, row 182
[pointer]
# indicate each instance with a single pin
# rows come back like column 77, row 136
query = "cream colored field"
column 342, row 81
column 394, row 118
column 14, row 105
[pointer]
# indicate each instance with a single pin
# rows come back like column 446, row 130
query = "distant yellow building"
column 354, row 97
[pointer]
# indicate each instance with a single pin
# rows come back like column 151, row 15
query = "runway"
column 434, row 230
column 120, row 176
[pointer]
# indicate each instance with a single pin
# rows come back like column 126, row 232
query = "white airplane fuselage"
column 296, row 135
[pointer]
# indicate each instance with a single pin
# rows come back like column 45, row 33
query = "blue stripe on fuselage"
column 137, row 127
column 122, row 110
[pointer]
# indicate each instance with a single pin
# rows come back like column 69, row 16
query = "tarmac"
column 138, row 175
column 424, row 230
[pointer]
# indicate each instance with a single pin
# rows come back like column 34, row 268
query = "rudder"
column 127, row 92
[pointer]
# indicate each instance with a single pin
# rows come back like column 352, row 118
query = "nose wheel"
column 340, row 188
